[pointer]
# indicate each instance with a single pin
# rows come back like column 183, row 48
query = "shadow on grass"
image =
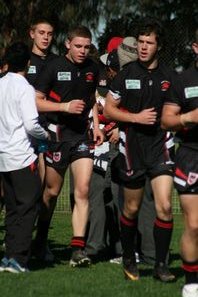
column 61, row 253
column 177, row 271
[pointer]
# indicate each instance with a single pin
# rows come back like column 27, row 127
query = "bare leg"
column 81, row 170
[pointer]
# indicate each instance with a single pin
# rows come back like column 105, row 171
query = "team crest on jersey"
column 56, row 156
column 32, row 69
column 192, row 178
column 165, row 85
column 89, row 77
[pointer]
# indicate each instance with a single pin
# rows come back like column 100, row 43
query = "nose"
column 46, row 36
column 82, row 50
column 144, row 45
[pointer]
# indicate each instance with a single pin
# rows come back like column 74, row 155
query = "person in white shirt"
column 18, row 162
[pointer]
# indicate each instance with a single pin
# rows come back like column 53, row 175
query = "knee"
column 131, row 210
column 51, row 192
column 192, row 227
column 81, row 192
column 164, row 211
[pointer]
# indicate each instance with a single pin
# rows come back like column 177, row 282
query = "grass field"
column 101, row 279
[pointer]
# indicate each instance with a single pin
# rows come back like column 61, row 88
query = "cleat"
column 79, row 258
column 14, row 267
column 130, row 269
column 4, row 264
column 162, row 273
column 190, row 290
column 117, row 260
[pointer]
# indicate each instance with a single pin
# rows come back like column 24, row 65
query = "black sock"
column 128, row 233
column 162, row 235
column 190, row 272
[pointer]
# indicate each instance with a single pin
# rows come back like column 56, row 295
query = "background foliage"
column 180, row 18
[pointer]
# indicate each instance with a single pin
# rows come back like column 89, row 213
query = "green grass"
column 101, row 279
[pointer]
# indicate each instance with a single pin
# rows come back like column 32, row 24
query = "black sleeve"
column 175, row 93
column 46, row 78
column 117, row 86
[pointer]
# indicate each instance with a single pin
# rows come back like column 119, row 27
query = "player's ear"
column 31, row 33
column 195, row 47
column 67, row 43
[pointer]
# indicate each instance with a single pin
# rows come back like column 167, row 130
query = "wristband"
column 64, row 107
column 185, row 119
column 182, row 120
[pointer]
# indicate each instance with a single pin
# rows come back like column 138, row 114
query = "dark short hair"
column 150, row 25
column 17, row 56
column 79, row 31
column 41, row 20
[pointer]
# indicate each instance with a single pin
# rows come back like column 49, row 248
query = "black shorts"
column 61, row 154
column 135, row 179
column 186, row 171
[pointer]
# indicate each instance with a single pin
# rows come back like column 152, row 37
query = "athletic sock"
column 190, row 272
column 77, row 243
column 128, row 233
column 162, row 233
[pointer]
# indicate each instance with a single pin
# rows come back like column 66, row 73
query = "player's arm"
column 173, row 119
column 75, row 106
column 97, row 133
column 112, row 111
column 30, row 115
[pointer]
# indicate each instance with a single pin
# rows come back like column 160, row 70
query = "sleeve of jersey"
column 175, row 92
column 116, row 87
column 46, row 78
column 30, row 115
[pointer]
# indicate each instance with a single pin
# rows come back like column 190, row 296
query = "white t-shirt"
column 18, row 120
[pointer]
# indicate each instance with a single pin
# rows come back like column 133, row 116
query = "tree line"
column 179, row 17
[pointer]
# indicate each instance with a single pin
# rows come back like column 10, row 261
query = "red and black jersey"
column 62, row 81
column 37, row 64
column 139, row 88
column 186, row 96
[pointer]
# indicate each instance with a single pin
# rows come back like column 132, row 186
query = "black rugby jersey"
column 37, row 63
column 36, row 66
column 186, row 96
column 139, row 89
column 62, row 81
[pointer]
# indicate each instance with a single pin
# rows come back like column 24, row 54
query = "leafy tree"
column 120, row 17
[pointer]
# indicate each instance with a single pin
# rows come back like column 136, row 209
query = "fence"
column 63, row 204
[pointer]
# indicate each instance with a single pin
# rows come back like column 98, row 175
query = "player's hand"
column 100, row 107
column 147, row 116
column 98, row 136
column 75, row 106
column 194, row 116
column 113, row 135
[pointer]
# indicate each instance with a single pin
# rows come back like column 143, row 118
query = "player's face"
column 147, row 48
column 42, row 36
column 78, row 49
column 195, row 47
